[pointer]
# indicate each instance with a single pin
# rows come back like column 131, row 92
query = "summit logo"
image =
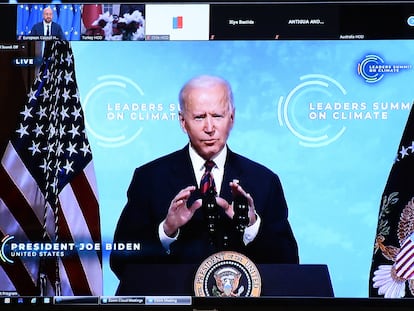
column 372, row 68
column 4, row 248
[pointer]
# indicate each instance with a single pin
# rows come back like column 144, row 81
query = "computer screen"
column 322, row 94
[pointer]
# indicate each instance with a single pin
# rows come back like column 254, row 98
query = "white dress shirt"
column 45, row 25
column 217, row 172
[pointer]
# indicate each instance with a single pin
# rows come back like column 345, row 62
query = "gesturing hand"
column 236, row 189
column 178, row 212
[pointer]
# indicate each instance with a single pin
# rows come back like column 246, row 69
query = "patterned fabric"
column 392, row 267
column 207, row 180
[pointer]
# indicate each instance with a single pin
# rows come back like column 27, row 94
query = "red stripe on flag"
column 19, row 207
column 19, row 276
column 88, row 204
column 406, row 255
column 27, row 219
column 404, row 262
column 72, row 263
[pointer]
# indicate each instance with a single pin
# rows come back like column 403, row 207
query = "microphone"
column 241, row 212
column 210, row 208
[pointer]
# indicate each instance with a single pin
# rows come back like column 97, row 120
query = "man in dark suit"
column 47, row 27
column 165, row 211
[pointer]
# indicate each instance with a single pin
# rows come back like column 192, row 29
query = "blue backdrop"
column 66, row 15
column 326, row 116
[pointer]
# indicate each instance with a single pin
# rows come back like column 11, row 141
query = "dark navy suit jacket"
column 155, row 184
column 56, row 30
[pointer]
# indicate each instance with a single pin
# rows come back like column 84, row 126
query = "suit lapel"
column 182, row 173
column 232, row 170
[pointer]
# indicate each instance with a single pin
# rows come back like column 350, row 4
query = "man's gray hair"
column 204, row 81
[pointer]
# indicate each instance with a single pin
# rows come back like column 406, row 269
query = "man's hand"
column 178, row 212
column 236, row 189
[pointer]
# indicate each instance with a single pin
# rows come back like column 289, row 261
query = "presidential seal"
column 227, row 274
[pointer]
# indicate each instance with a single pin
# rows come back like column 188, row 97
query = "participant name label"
column 10, row 248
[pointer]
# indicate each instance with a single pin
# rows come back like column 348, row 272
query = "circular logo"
column 227, row 274
column 4, row 249
column 369, row 68
column 107, row 105
column 301, row 122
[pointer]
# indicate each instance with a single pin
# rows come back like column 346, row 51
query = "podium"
column 287, row 280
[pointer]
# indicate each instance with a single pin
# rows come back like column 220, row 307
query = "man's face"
column 207, row 120
column 47, row 15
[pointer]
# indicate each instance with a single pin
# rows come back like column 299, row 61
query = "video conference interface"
column 299, row 82
column 227, row 21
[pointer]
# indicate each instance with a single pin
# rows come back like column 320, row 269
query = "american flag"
column 48, row 189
